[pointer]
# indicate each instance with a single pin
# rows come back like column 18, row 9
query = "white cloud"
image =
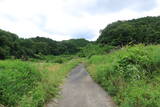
column 60, row 19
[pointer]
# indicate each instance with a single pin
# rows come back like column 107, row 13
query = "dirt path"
column 81, row 91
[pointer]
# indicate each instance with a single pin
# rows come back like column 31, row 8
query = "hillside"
column 124, row 61
column 143, row 30
column 13, row 46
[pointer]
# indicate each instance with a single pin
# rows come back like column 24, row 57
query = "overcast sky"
column 65, row 19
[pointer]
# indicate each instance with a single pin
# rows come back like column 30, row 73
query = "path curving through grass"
column 81, row 91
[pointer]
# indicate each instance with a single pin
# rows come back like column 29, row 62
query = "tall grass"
column 28, row 84
column 54, row 59
column 131, row 75
column 16, row 79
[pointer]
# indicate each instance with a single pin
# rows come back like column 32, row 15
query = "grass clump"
column 53, row 59
column 131, row 75
column 94, row 49
column 28, row 84
column 17, row 78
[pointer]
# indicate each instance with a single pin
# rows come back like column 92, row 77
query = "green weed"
column 130, row 75
column 29, row 84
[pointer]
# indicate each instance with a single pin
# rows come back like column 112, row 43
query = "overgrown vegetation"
column 28, row 84
column 11, row 46
column 143, row 30
column 54, row 59
column 131, row 75
column 95, row 49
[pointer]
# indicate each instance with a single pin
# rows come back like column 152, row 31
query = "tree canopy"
column 13, row 46
column 143, row 30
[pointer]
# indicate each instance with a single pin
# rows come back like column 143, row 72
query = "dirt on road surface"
column 81, row 91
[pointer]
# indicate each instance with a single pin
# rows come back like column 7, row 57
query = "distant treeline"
column 13, row 46
column 143, row 30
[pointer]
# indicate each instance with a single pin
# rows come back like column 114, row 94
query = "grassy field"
column 31, row 84
column 130, row 75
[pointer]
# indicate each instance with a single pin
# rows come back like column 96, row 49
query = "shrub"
column 28, row 84
column 130, row 75
column 94, row 49
column 17, row 79
column 3, row 53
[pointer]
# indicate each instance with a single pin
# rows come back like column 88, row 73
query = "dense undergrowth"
column 130, row 75
column 95, row 49
column 53, row 59
column 29, row 84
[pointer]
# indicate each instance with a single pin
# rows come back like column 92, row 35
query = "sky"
column 66, row 19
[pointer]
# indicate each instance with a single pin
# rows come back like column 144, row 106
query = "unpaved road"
column 81, row 91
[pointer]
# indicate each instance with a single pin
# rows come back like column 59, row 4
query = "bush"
column 130, row 75
column 94, row 49
column 28, row 84
column 17, row 79
column 3, row 53
column 58, row 59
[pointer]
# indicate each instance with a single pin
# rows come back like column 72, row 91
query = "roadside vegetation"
column 28, row 84
column 95, row 49
column 130, row 75
column 124, row 60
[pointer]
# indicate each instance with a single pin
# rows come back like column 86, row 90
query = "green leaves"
column 130, row 75
column 28, row 84
column 94, row 49
column 143, row 30
column 19, row 48
column 17, row 78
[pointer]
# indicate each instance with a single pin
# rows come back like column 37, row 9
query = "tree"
column 143, row 30
column 2, row 53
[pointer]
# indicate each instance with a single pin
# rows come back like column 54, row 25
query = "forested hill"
column 13, row 46
column 143, row 30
